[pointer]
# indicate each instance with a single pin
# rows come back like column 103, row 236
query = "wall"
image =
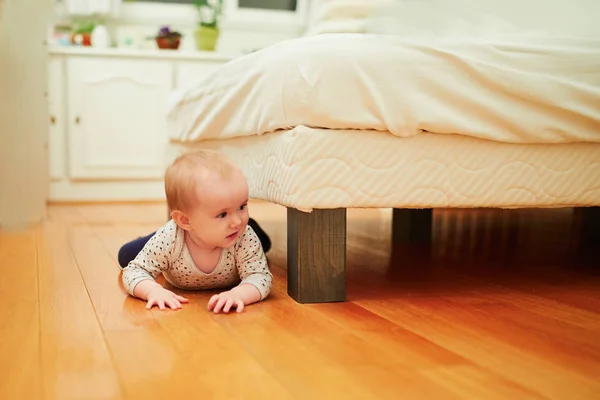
column 489, row 17
column 24, row 113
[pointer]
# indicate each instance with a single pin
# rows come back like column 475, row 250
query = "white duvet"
column 506, row 89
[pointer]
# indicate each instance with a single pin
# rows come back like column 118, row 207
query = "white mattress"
column 308, row 168
column 511, row 89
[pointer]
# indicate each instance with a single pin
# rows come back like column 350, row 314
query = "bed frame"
column 316, row 248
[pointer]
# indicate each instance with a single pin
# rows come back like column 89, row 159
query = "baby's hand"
column 225, row 301
column 161, row 296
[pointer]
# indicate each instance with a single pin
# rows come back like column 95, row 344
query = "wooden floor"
column 496, row 309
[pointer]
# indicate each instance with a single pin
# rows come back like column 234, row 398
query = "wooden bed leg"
column 412, row 225
column 316, row 255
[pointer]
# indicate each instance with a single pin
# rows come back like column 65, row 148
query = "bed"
column 326, row 123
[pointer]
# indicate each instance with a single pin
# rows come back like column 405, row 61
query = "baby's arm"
column 254, row 272
column 140, row 274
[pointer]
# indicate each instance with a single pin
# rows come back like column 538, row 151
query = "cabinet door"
column 117, row 126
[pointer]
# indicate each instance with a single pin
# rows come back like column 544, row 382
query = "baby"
column 207, row 244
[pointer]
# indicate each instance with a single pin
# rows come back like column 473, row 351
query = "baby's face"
column 221, row 215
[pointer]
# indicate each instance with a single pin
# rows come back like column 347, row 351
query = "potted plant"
column 168, row 39
column 207, row 31
column 82, row 35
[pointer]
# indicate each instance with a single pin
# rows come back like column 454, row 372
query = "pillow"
column 342, row 26
column 341, row 16
column 346, row 9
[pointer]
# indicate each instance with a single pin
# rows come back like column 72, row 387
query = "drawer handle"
column 52, row 119
column 77, row 120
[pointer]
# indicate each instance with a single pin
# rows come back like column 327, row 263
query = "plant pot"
column 83, row 39
column 171, row 43
column 206, row 38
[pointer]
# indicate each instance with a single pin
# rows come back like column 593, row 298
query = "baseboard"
column 65, row 191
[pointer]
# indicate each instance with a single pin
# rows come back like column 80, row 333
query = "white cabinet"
column 116, row 118
column 108, row 131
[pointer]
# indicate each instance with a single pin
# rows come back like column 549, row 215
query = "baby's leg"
column 130, row 250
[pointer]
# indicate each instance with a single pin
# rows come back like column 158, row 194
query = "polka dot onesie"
column 167, row 253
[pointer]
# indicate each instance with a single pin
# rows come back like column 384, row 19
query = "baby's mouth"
column 232, row 236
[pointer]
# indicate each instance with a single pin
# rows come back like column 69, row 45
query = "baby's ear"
column 181, row 220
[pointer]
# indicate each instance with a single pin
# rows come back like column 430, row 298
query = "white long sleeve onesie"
column 167, row 253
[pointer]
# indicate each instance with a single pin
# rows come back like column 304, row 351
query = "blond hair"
column 181, row 177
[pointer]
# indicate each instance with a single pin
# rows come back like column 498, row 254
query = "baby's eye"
column 222, row 215
column 243, row 206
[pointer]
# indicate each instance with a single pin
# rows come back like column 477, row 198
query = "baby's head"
column 208, row 197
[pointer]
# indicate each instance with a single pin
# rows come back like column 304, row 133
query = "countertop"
column 142, row 53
